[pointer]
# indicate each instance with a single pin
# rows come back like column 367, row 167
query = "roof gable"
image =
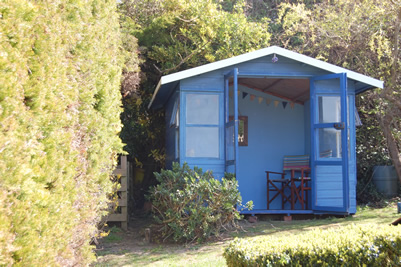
column 174, row 77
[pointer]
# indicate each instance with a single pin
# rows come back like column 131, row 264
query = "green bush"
column 60, row 72
column 191, row 205
column 364, row 245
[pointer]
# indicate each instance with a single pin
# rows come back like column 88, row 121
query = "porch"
column 274, row 121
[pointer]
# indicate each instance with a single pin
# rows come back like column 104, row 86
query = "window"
column 329, row 138
column 175, row 122
column 202, row 125
column 175, row 115
column 202, row 109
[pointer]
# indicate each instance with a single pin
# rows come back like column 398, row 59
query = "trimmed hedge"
column 368, row 245
column 60, row 71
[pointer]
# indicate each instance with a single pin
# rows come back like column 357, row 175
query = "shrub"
column 367, row 245
column 191, row 205
column 60, row 103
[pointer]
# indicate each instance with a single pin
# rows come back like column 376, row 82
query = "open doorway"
column 277, row 116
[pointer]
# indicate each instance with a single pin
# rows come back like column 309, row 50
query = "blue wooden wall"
column 272, row 131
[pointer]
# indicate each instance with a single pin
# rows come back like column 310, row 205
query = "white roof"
column 261, row 53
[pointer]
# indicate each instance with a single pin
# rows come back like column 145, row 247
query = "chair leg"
column 268, row 195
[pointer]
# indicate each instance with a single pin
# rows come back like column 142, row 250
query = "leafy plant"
column 191, row 205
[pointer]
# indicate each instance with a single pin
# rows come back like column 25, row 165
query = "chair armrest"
column 269, row 172
column 281, row 173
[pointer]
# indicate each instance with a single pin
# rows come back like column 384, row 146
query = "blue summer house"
column 283, row 122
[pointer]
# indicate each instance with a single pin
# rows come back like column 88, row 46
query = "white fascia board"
column 329, row 67
column 264, row 52
column 261, row 53
column 217, row 65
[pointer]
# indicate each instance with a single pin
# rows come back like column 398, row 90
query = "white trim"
column 330, row 67
column 261, row 53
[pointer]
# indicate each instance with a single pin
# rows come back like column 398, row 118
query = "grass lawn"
column 130, row 249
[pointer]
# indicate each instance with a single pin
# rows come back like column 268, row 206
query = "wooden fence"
column 121, row 214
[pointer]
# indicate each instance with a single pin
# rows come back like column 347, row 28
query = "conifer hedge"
column 353, row 245
column 60, row 71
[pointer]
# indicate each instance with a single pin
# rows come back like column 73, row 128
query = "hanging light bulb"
column 274, row 59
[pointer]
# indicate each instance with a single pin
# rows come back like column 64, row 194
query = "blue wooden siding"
column 329, row 186
column 272, row 131
column 352, row 156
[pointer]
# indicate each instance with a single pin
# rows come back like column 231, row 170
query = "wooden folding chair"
column 293, row 165
column 279, row 186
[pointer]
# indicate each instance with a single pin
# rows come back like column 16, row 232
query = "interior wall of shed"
column 275, row 128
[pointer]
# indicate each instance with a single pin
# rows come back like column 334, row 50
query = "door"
column 329, row 141
column 231, row 127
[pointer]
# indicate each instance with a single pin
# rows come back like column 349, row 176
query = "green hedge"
column 363, row 245
column 60, row 72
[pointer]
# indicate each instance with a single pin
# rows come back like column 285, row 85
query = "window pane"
column 202, row 109
column 329, row 143
column 177, row 143
column 202, row 142
column 230, row 143
column 329, row 109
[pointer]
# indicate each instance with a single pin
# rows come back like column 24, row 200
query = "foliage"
column 257, row 10
column 59, row 122
column 174, row 35
column 368, row 245
column 367, row 193
column 185, row 34
column 191, row 205
column 361, row 36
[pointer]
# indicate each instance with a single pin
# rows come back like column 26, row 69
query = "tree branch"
column 183, row 60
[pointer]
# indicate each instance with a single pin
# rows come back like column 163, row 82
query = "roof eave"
column 369, row 81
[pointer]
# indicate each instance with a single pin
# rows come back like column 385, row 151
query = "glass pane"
column 349, row 143
column 202, row 142
column 177, row 143
column 329, row 143
column 329, row 109
column 348, row 113
column 202, row 109
column 230, row 143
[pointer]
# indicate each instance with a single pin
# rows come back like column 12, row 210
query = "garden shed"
column 265, row 112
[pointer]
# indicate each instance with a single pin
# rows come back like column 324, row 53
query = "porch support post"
column 236, row 119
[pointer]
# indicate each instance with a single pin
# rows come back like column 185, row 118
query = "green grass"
column 211, row 254
column 114, row 235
